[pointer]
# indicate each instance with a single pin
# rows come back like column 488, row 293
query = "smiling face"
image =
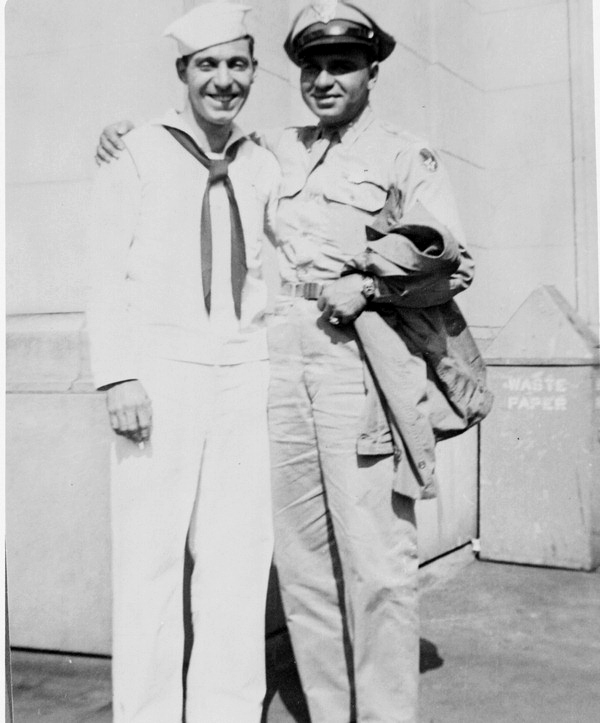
column 335, row 83
column 218, row 80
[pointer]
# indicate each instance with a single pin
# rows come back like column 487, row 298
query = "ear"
column 373, row 75
column 254, row 69
column 181, row 66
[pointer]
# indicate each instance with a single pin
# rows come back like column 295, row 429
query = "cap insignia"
column 429, row 160
column 325, row 9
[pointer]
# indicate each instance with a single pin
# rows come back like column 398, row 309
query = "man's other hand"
column 110, row 144
column 343, row 301
column 130, row 410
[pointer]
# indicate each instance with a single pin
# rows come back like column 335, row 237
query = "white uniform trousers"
column 205, row 472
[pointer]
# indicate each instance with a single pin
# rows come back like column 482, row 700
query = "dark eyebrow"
column 213, row 59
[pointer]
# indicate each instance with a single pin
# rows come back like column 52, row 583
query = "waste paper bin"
column 540, row 446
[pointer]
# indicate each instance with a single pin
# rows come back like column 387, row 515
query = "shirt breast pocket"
column 358, row 188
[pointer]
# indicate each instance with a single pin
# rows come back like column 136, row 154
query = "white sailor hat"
column 336, row 22
column 211, row 23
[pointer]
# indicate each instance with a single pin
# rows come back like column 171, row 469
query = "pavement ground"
column 499, row 644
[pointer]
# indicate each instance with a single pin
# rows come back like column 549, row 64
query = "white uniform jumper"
column 205, row 473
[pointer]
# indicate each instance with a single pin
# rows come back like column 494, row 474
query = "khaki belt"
column 308, row 290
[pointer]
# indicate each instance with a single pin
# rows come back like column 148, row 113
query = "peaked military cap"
column 336, row 22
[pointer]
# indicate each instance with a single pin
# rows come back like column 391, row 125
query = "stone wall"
column 500, row 87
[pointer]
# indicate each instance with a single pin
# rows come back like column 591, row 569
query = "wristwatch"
column 368, row 287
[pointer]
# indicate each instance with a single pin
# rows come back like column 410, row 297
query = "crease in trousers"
column 345, row 543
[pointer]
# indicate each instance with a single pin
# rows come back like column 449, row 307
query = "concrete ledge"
column 57, row 521
column 47, row 353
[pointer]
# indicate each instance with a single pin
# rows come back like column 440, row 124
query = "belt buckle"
column 312, row 290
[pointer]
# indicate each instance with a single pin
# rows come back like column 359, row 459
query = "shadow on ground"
column 512, row 643
column 285, row 700
column 284, row 692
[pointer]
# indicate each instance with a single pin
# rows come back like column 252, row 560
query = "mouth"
column 325, row 99
column 223, row 98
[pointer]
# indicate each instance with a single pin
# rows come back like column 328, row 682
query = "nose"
column 323, row 79
column 223, row 76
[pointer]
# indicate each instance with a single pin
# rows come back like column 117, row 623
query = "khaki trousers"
column 345, row 544
column 204, row 477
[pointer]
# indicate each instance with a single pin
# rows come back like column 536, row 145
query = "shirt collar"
column 184, row 121
column 350, row 132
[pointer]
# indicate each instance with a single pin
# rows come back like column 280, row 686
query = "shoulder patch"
column 429, row 160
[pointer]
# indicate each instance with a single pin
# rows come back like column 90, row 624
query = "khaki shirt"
column 332, row 189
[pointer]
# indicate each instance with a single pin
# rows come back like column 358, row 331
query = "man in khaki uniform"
column 344, row 493
column 346, row 543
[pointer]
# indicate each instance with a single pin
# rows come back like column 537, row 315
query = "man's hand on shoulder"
column 110, row 144
column 130, row 410
column 343, row 301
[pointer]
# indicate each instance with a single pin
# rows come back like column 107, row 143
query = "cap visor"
column 329, row 41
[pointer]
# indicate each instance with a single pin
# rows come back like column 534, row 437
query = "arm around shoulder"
column 110, row 145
